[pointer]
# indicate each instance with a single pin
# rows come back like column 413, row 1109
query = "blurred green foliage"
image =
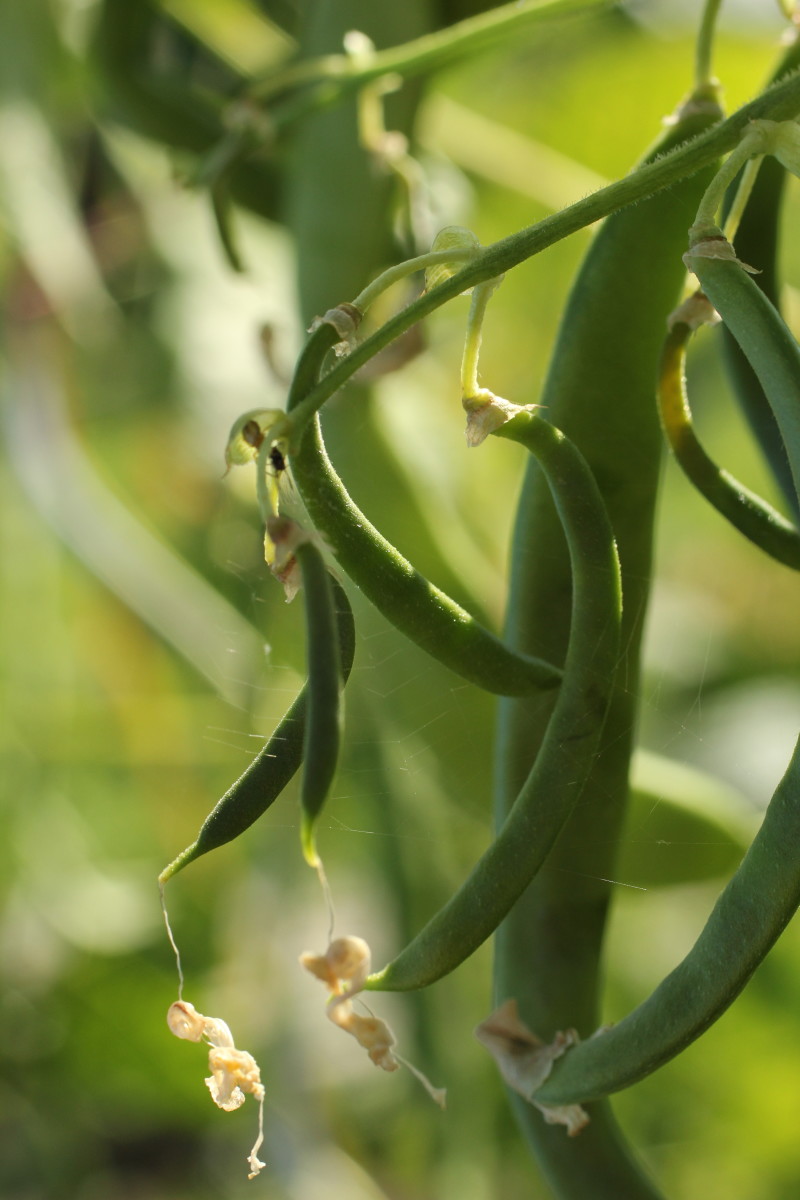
column 145, row 652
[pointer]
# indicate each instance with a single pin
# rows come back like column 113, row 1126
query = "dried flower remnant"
column 525, row 1061
column 486, row 412
column 345, row 318
column 344, row 968
column 346, row 961
column 281, row 539
column 233, row 1072
column 248, row 432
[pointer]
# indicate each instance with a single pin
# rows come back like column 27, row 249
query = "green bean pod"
column 426, row 615
column 600, row 390
column 273, row 767
column 745, row 923
column 554, row 784
column 761, row 332
column 323, row 731
column 757, row 243
column 747, row 512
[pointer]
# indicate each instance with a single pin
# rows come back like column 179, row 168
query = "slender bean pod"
column 554, row 784
column 323, row 731
column 272, row 768
column 747, row 920
column 761, row 333
column 405, row 597
column 746, row 511
column 756, row 240
column 600, row 390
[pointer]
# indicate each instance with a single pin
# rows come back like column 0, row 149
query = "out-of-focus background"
column 146, row 653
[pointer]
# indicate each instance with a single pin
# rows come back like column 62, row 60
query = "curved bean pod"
column 415, row 606
column 760, row 331
column 272, row 768
column 600, row 390
column 747, row 920
column 746, row 511
column 573, row 733
column 757, row 243
column 324, row 721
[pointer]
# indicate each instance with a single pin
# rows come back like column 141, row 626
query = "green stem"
column 744, row 191
column 780, row 102
column 598, row 1166
column 746, row 511
column 402, row 270
column 554, row 784
column 472, row 343
column 341, row 75
column 748, row 147
column 703, row 75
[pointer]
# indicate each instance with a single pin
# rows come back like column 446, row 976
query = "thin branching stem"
column 780, row 102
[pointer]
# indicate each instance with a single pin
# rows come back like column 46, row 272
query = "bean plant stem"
column 780, row 102
column 472, row 343
column 703, row 74
column 344, row 73
column 402, row 270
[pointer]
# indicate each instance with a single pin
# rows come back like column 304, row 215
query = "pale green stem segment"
column 325, row 718
column 747, row 512
column 472, row 344
column 779, row 102
column 762, row 334
column 272, row 768
column 747, row 920
column 341, row 74
column 749, row 147
column 402, row 270
column 554, row 784
column 413, row 605
column 703, row 74
column 743, row 193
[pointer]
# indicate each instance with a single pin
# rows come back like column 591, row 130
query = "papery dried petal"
column 694, row 311
column 347, row 959
column 716, row 246
column 185, row 1021
column 370, row 1032
column 233, row 1072
column 487, row 412
column 525, row 1061
column 345, row 319
column 572, row 1115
